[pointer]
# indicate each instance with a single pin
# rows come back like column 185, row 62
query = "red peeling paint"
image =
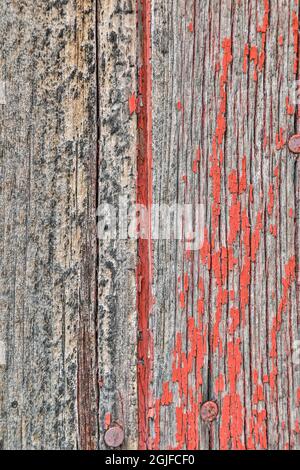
column 251, row 193
column 257, row 438
column 254, row 59
column 205, row 251
column 227, row 258
column 227, row 59
column 234, row 221
column 262, row 55
column 132, row 103
column 290, row 276
column 222, row 299
column 255, row 238
column 295, row 24
column 280, row 141
column 265, row 379
column 219, row 384
column 232, row 421
column 181, row 427
column 287, row 281
column 265, row 24
column 181, row 300
column 107, row 420
column 258, row 393
column 217, row 153
column 233, row 182
column 192, row 424
column 273, row 230
column 290, row 109
column 179, row 105
column 182, row 366
column 298, row 397
column 197, row 160
column 235, row 320
column 186, row 282
column 246, row 55
column 167, row 395
column 271, row 200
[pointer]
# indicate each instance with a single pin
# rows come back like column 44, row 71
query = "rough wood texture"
column 48, row 230
column 68, row 314
column 223, row 80
column 117, row 336
column 95, row 332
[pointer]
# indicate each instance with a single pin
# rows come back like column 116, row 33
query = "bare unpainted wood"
column 48, row 151
column 117, row 313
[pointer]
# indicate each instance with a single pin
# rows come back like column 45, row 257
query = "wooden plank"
column 225, row 316
column 117, row 311
column 48, row 227
column 69, row 320
column 153, row 102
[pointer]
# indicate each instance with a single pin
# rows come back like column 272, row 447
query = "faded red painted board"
column 219, row 321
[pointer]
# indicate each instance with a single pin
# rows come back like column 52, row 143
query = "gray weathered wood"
column 48, row 243
column 117, row 322
column 220, row 323
column 68, row 301
column 258, row 401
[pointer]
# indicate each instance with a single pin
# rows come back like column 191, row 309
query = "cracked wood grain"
column 68, row 302
column 46, row 213
column 48, row 250
column 157, row 102
column 223, row 82
column 117, row 311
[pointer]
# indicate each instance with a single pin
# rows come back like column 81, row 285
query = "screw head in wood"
column 114, row 436
column 209, row 411
column 294, row 143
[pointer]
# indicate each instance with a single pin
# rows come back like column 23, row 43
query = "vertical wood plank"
column 48, row 226
column 117, row 311
column 225, row 316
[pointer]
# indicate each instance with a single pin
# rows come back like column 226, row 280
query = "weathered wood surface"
column 117, row 306
column 95, row 332
column 223, row 77
column 48, row 232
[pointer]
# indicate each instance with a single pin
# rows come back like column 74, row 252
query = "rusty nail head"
column 209, row 411
column 294, row 143
column 114, row 436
